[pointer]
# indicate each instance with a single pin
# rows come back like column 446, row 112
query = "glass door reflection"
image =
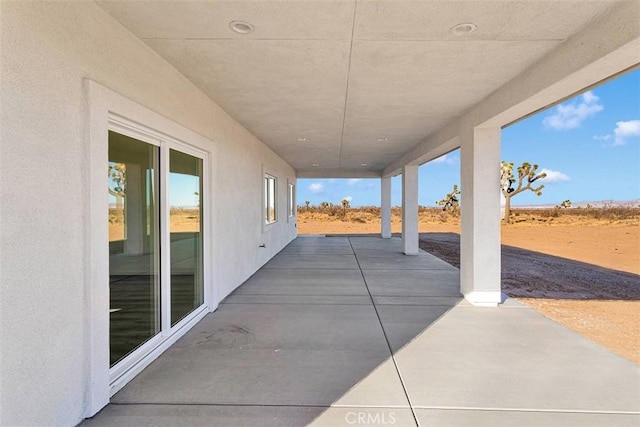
column 134, row 284
column 185, row 224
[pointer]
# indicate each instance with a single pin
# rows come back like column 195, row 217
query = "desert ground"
column 577, row 266
column 181, row 221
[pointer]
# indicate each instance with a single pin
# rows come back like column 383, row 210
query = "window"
column 155, row 254
column 270, row 197
column 292, row 200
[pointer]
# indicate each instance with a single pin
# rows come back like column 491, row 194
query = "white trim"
column 125, row 127
column 97, row 270
column 210, row 292
column 131, row 360
column 291, row 201
column 185, row 148
column 165, row 242
column 265, row 200
column 107, row 109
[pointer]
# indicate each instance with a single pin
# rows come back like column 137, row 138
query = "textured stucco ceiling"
column 362, row 82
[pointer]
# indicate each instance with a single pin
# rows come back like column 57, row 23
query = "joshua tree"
column 451, row 202
column 345, row 206
column 118, row 176
column 565, row 204
column 324, row 205
column 306, row 203
column 527, row 175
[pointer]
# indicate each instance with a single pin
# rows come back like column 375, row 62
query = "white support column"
column 134, row 211
column 410, row 210
column 385, row 205
column 480, row 214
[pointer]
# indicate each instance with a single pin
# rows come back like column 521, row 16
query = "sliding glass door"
column 156, row 267
column 185, row 212
column 134, row 279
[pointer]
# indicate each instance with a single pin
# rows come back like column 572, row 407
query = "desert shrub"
column 333, row 210
column 606, row 212
column 368, row 214
column 373, row 210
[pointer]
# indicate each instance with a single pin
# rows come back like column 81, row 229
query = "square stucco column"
column 134, row 203
column 410, row 210
column 480, row 213
column 385, row 205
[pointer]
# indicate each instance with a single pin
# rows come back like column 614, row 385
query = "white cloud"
column 553, row 177
column 571, row 115
column 348, row 199
column 589, row 97
column 353, row 181
column 450, row 160
column 316, row 187
column 602, row 137
column 625, row 130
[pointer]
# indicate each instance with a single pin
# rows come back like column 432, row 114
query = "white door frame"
column 108, row 110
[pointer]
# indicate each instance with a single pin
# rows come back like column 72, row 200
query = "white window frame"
column 265, row 197
column 291, row 200
column 111, row 111
column 165, row 144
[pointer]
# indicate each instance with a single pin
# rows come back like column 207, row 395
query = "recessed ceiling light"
column 463, row 29
column 364, row 165
column 315, row 165
column 383, row 139
column 241, row 27
column 301, row 139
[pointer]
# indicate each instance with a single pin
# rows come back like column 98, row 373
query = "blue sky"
column 589, row 146
column 181, row 190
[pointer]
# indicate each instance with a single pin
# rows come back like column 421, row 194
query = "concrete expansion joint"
column 533, row 410
column 386, row 337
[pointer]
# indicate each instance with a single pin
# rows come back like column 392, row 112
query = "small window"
column 270, row 198
column 292, row 200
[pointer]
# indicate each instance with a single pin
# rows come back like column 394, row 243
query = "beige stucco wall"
column 47, row 49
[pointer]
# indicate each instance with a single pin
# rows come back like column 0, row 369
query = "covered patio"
column 350, row 331
column 105, row 103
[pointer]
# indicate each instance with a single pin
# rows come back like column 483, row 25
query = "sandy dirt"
column 612, row 324
column 533, row 274
column 611, row 246
column 582, row 272
column 181, row 221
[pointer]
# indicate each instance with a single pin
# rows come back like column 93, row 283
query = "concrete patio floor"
column 348, row 331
